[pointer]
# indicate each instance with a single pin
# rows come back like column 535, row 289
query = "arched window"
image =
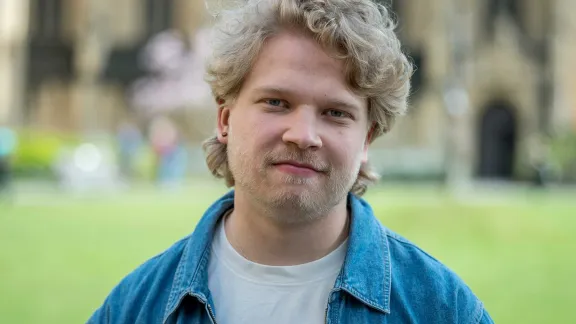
column 497, row 141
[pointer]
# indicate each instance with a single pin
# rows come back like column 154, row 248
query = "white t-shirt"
column 247, row 292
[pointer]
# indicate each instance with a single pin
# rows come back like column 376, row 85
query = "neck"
column 261, row 238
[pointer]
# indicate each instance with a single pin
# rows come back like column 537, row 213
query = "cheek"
column 246, row 121
column 347, row 151
column 261, row 130
column 251, row 135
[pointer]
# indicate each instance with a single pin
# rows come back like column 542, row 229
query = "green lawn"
column 60, row 256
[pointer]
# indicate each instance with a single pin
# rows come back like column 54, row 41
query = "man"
column 303, row 87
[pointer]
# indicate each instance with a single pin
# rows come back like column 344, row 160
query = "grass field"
column 60, row 256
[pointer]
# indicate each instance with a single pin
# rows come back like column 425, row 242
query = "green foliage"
column 145, row 164
column 38, row 150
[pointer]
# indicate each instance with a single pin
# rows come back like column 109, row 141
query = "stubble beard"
column 276, row 194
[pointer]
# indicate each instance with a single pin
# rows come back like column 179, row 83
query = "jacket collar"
column 191, row 276
column 366, row 273
column 367, row 270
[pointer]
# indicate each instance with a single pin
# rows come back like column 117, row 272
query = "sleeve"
column 120, row 305
column 123, row 304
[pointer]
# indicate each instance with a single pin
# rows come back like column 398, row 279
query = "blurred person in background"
column 8, row 144
column 170, row 153
column 303, row 88
column 130, row 142
column 539, row 155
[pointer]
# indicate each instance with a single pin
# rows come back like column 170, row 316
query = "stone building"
column 493, row 75
column 76, row 59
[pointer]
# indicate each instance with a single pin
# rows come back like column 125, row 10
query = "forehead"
column 296, row 62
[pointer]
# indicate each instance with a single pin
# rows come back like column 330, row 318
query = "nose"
column 302, row 130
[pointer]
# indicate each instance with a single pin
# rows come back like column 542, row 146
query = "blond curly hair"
column 360, row 32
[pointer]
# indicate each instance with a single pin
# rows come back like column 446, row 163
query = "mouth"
column 297, row 168
column 298, row 165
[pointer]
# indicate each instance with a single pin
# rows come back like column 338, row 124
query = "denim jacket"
column 384, row 279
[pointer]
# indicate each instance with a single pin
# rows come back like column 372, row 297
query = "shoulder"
column 423, row 285
column 144, row 292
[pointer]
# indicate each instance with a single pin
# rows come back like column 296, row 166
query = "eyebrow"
column 328, row 102
column 273, row 91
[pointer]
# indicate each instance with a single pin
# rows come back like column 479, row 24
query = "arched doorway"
column 497, row 145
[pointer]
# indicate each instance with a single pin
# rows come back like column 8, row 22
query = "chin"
column 287, row 193
column 294, row 199
column 294, row 188
column 291, row 180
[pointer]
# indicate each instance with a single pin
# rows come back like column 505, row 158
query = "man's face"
column 297, row 133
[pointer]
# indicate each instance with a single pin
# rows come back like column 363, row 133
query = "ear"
column 223, row 124
column 367, row 142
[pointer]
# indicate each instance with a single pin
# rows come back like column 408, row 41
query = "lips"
column 299, row 170
column 298, row 165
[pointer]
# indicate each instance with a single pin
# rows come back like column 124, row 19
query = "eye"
column 276, row 102
column 337, row 113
